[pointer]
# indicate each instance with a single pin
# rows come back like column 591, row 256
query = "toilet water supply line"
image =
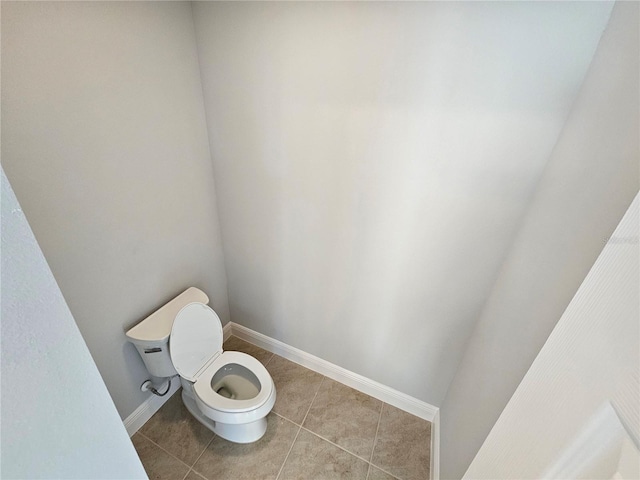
column 147, row 385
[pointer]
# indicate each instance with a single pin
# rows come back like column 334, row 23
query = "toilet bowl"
column 232, row 389
column 231, row 392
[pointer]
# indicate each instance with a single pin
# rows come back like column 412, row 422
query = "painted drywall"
column 591, row 360
column 590, row 181
column 373, row 162
column 104, row 141
column 58, row 420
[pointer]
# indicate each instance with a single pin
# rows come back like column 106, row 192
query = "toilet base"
column 239, row 433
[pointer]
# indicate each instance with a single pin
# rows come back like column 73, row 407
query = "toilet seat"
column 212, row 399
column 195, row 346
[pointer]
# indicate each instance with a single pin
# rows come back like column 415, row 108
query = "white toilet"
column 229, row 392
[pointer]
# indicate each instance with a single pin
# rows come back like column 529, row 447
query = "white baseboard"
column 151, row 405
column 226, row 332
column 358, row 382
column 435, row 448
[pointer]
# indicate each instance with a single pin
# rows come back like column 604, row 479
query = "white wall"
column 588, row 184
column 373, row 163
column 104, row 140
column 591, row 359
column 58, row 420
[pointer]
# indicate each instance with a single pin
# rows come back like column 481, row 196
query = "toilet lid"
column 196, row 338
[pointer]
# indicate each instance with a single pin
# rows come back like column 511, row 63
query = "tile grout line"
column 196, row 460
column 388, row 473
column 287, row 419
column 300, row 425
column 163, row 449
column 288, row 453
column 314, row 399
column 267, row 362
column 375, row 440
column 321, row 437
column 369, row 462
column 299, row 428
column 335, row 444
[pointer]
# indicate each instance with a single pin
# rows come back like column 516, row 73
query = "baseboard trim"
column 226, row 332
column 435, row 447
column 358, row 382
column 151, row 405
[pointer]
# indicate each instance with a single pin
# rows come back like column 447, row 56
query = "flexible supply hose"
column 155, row 392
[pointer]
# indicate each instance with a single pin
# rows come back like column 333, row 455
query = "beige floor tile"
column 403, row 444
column 253, row 461
column 234, row 343
column 314, row 458
column 345, row 416
column 295, row 388
column 174, row 429
column 377, row 474
column 158, row 464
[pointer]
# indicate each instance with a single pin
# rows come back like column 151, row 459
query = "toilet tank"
column 151, row 335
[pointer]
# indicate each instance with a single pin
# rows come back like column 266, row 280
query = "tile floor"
column 318, row 429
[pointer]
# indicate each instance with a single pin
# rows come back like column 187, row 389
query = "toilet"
column 231, row 393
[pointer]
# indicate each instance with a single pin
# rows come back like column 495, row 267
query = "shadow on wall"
column 590, row 180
